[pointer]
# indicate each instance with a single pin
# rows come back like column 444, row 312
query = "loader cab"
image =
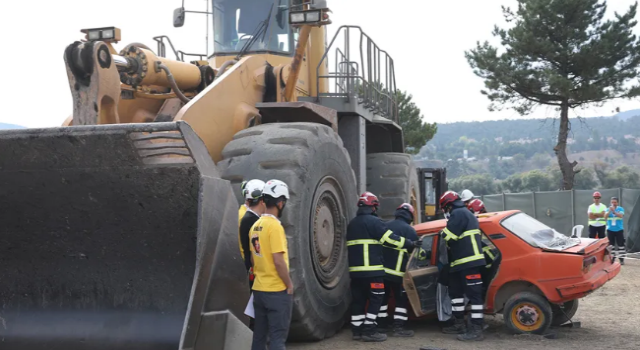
column 236, row 22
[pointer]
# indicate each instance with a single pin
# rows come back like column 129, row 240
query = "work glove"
column 417, row 244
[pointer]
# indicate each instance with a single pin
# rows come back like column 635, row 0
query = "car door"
column 421, row 277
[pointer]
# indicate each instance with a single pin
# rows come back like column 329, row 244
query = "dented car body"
column 536, row 279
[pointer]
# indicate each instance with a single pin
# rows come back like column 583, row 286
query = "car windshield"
column 236, row 21
column 536, row 233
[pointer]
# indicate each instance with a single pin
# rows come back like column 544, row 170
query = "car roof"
column 437, row 225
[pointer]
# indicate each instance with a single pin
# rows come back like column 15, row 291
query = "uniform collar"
column 272, row 216
column 254, row 213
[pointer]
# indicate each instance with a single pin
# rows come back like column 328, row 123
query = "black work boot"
column 373, row 336
column 474, row 332
column 356, row 335
column 399, row 331
column 459, row 327
column 383, row 328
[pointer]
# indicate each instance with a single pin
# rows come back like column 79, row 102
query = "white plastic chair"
column 576, row 232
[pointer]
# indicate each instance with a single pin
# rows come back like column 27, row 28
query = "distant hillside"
column 628, row 114
column 10, row 126
column 507, row 138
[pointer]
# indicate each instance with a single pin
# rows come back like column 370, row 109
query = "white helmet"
column 253, row 189
column 466, row 195
column 276, row 189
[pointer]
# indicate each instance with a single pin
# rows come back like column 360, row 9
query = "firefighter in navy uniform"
column 366, row 235
column 395, row 263
column 464, row 242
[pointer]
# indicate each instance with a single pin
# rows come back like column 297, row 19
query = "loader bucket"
column 117, row 237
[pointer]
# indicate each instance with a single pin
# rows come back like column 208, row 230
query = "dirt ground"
column 610, row 319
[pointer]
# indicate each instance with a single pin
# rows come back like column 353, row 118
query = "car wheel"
column 564, row 312
column 527, row 313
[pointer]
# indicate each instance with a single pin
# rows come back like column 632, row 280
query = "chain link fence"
column 564, row 209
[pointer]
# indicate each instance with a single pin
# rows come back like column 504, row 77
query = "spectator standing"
column 597, row 219
column 615, row 229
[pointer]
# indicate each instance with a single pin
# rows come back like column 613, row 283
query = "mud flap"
column 117, row 237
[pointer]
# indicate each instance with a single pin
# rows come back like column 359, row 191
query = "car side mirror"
column 178, row 17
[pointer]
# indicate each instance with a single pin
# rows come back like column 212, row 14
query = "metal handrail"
column 162, row 48
column 375, row 89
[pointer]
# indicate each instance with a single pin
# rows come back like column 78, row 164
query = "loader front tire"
column 311, row 159
column 394, row 179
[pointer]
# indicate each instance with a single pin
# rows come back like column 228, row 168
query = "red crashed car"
column 536, row 279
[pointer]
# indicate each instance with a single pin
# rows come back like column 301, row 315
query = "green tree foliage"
column 532, row 181
column 584, row 180
column 540, row 160
column 478, row 184
column 560, row 53
column 622, row 177
column 416, row 132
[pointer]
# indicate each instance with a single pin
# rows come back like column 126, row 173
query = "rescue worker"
column 466, row 196
column 597, row 219
column 255, row 208
column 464, row 243
column 395, row 263
column 273, row 288
column 243, row 208
column 366, row 235
column 253, row 197
column 476, row 206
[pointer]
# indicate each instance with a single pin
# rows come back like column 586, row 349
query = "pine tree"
column 560, row 53
column 416, row 132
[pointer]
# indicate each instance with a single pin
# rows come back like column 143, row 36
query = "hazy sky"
column 427, row 40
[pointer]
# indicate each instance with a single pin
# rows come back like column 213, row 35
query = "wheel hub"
column 328, row 230
column 527, row 315
column 324, row 232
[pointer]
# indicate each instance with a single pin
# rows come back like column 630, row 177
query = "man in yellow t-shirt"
column 272, row 287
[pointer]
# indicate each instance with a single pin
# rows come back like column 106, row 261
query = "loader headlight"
column 303, row 17
column 108, row 34
column 297, row 17
column 94, row 35
column 313, row 16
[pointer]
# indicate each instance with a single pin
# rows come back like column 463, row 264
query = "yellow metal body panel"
column 226, row 106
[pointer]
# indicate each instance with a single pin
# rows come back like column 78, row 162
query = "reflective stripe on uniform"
column 467, row 259
column 487, row 250
column 366, row 268
column 448, row 235
column 476, row 252
column 398, row 270
column 357, row 320
column 385, row 238
column 365, row 254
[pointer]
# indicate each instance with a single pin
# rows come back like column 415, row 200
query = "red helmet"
column 368, row 199
column 596, row 194
column 477, row 206
column 408, row 207
column 448, row 198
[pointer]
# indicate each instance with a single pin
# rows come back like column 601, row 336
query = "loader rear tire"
column 394, row 179
column 311, row 159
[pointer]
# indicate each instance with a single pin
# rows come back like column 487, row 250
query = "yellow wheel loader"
column 119, row 229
